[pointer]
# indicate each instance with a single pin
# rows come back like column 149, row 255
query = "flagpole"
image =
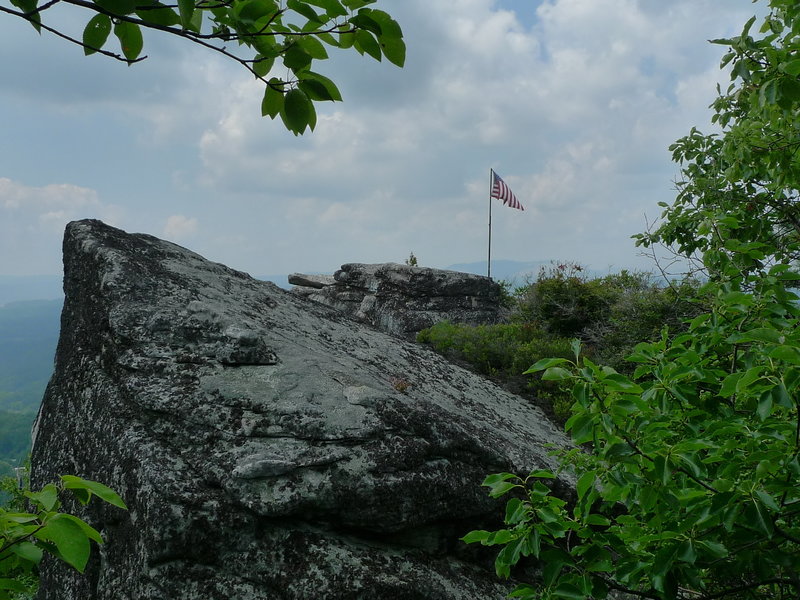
column 489, row 259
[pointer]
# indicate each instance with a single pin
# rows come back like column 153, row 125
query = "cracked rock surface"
column 267, row 446
column 402, row 299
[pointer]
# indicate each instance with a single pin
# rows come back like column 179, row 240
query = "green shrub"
column 504, row 352
column 563, row 300
column 608, row 314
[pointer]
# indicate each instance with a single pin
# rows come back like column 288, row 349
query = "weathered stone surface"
column 261, row 440
column 311, row 281
column 402, row 300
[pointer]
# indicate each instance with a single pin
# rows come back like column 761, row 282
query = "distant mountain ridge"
column 16, row 288
column 515, row 271
column 28, row 336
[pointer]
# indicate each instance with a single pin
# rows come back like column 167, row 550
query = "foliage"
column 610, row 314
column 563, row 300
column 507, row 294
column 693, row 482
column 254, row 33
column 503, row 351
column 25, row 535
column 638, row 308
column 737, row 199
column 688, row 477
column 412, row 261
column 494, row 349
column 626, row 307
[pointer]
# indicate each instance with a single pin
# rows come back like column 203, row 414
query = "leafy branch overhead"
column 255, row 33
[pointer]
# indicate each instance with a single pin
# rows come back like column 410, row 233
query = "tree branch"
column 25, row 16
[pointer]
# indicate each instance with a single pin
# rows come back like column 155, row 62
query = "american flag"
column 502, row 192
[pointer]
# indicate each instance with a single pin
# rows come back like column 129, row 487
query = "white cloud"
column 32, row 220
column 180, row 227
column 574, row 105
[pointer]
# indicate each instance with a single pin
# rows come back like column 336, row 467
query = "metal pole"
column 489, row 260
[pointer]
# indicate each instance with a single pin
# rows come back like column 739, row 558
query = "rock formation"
column 402, row 299
column 267, row 446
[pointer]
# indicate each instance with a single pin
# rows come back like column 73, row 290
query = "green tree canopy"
column 257, row 34
column 688, row 478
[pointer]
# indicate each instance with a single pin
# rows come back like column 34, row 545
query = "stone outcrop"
column 401, row 299
column 267, row 446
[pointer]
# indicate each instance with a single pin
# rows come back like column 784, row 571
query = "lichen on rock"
column 259, row 442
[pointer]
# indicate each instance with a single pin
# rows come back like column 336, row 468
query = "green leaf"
column 764, row 405
column 186, row 9
column 365, row 21
column 556, row 374
column 515, row 511
column 761, row 334
column 758, row 517
column 47, row 498
column 585, row 483
column 304, row 9
column 581, row 427
column 479, row 535
column 534, row 543
column 496, row 478
column 314, row 90
column 295, row 58
column 70, row 540
column 750, row 376
column 366, row 43
column 686, row 552
column 551, row 571
column 96, row 33
column 509, row 555
column 159, row 14
column 729, row 385
column 262, row 65
column 105, row 493
column 545, row 363
column 313, row 47
column 781, row 397
column 333, row 8
column 499, row 489
column 768, row 501
column 619, row 383
column 595, row 519
column 693, row 465
column 569, row 591
column 662, row 469
column 394, row 50
column 117, row 7
column 130, row 39
column 791, row 67
column 28, row 552
column 541, row 474
column 714, row 549
column 272, row 104
column 332, row 92
column 789, row 354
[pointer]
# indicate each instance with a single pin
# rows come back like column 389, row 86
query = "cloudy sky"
column 573, row 102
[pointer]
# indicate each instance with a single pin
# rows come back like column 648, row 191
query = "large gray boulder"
column 402, row 299
column 267, row 446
